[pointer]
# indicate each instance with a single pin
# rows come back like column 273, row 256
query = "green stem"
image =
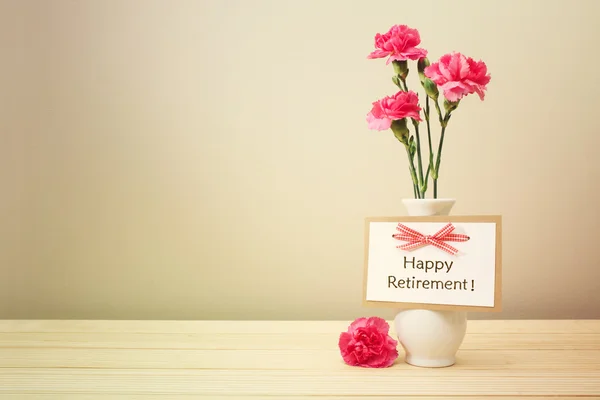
column 427, row 110
column 405, row 86
column 428, row 125
column 415, row 191
column 420, row 162
column 421, row 184
column 399, row 84
column 439, row 155
column 439, row 111
column 413, row 174
column 436, row 168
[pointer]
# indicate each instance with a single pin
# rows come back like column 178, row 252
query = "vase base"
column 430, row 362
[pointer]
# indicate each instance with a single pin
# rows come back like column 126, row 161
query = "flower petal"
column 400, row 43
column 459, row 76
column 379, row 124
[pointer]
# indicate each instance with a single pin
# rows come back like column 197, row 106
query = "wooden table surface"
column 285, row 359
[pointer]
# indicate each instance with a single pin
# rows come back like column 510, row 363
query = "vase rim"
column 429, row 200
column 428, row 207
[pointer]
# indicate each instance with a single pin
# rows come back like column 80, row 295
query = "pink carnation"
column 399, row 43
column 399, row 106
column 459, row 76
column 368, row 344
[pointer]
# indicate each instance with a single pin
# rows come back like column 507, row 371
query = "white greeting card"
column 434, row 262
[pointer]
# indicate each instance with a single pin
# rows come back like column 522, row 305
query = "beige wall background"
column 210, row 159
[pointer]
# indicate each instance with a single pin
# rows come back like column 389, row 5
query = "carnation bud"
column 431, row 89
column 396, row 81
column 401, row 68
column 412, row 147
column 423, row 63
column 400, row 130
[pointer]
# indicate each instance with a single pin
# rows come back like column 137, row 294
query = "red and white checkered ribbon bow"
column 416, row 239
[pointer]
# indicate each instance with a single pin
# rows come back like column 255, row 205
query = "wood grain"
column 298, row 359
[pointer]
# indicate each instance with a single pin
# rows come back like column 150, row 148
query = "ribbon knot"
column 416, row 239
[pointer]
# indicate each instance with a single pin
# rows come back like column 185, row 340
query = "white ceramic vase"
column 430, row 338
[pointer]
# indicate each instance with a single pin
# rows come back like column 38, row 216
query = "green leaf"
column 423, row 188
column 434, row 174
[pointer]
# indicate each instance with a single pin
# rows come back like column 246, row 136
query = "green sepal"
column 400, row 130
column 401, row 68
column 450, row 106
